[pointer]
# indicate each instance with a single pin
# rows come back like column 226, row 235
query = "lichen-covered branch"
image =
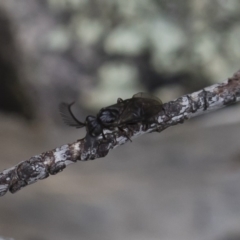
column 174, row 112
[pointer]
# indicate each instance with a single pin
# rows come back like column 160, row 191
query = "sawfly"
column 141, row 108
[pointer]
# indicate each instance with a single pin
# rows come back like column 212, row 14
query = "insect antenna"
column 68, row 117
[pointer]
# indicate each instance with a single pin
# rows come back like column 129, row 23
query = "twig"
column 173, row 112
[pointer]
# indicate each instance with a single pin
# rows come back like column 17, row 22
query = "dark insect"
column 142, row 107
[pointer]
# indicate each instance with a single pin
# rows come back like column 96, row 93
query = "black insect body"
column 141, row 108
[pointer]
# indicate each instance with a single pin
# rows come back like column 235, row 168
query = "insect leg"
column 126, row 134
column 145, row 126
column 104, row 137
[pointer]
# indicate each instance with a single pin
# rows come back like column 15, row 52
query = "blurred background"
column 177, row 185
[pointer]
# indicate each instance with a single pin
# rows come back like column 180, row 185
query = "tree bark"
column 51, row 162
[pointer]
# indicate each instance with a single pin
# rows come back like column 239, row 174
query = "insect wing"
column 150, row 107
column 147, row 96
column 141, row 108
column 150, row 104
column 68, row 117
column 131, row 114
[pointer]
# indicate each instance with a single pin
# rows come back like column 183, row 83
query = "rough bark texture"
column 89, row 148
